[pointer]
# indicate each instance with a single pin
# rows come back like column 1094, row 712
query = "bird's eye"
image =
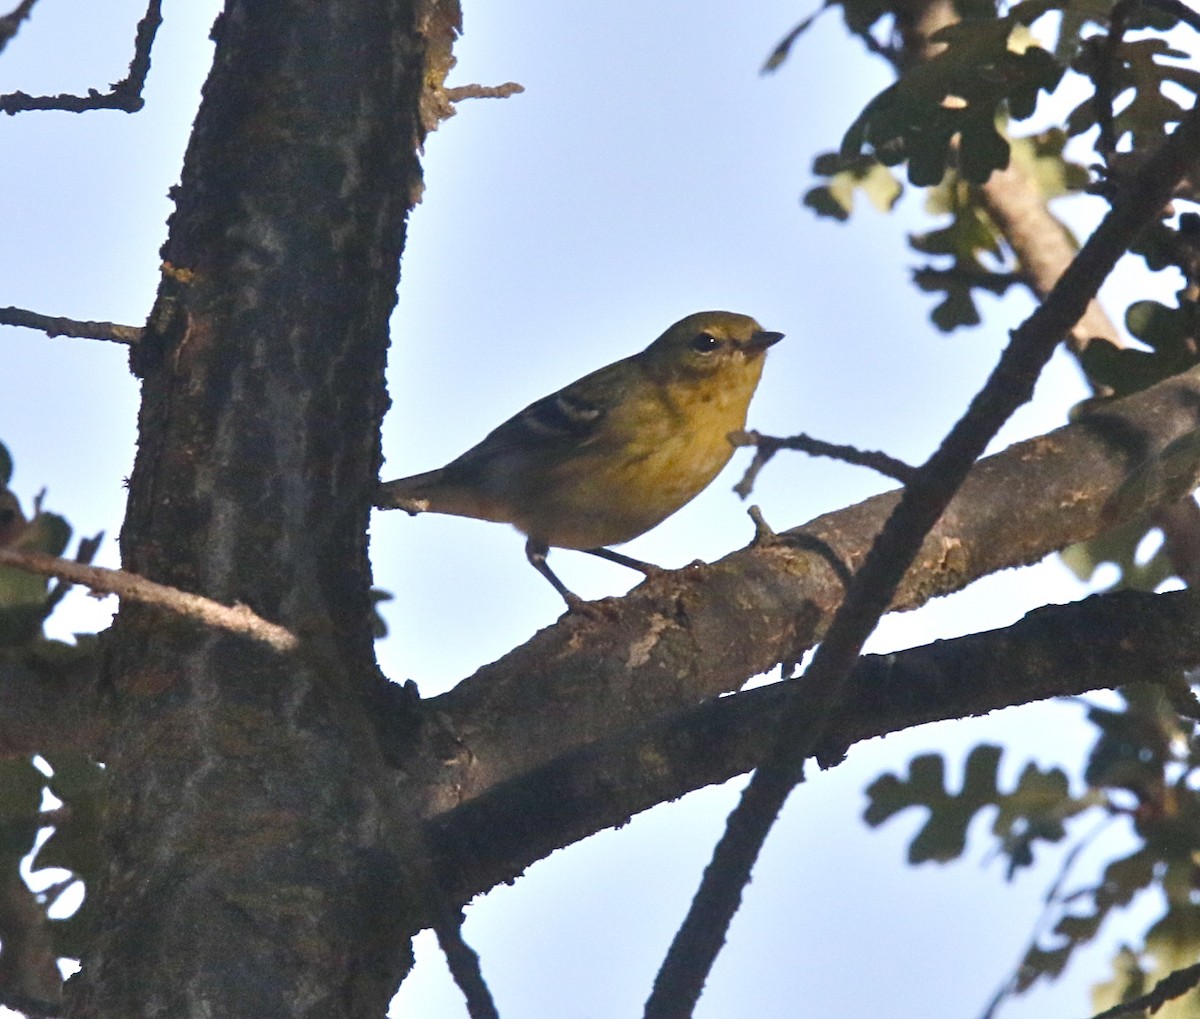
column 704, row 343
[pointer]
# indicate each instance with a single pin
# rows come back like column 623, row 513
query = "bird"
column 611, row 455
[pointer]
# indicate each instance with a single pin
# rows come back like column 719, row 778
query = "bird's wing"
column 571, row 418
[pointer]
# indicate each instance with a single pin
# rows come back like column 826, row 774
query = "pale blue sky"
column 647, row 172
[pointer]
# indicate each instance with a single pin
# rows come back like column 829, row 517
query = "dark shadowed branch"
column 1173, row 985
column 11, row 22
column 1061, row 650
column 463, row 961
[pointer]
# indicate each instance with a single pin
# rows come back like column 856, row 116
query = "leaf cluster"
column 947, row 119
column 25, row 597
column 49, row 807
column 1142, row 768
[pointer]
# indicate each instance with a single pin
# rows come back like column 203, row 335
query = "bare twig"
column 125, row 95
column 464, row 967
column 54, row 326
column 766, row 446
column 460, row 92
column 236, row 618
column 699, row 939
column 12, row 21
column 88, row 547
column 1050, row 901
column 1173, row 985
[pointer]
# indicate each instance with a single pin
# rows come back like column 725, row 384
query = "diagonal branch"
column 463, row 962
column 699, row 939
column 1173, row 985
column 125, row 95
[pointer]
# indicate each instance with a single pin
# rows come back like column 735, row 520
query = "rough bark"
column 255, row 843
column 1057, row 651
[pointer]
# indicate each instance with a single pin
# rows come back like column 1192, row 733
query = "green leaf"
column 1041, row 157
column 1124, row 878
column 6, row 466
column 847, row 178
column 23, row 594
column 968, row 239
column 1137, row 76
column 957, row 94
column 75, row 843
column 1042, row 962
column 1119, row 546
column 1129, row 981
column 943, row 836
column 21, row 787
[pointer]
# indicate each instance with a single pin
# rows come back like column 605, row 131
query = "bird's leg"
column 535, row 552
column 649, row 569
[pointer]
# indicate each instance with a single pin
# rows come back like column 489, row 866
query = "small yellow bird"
column 610, row 456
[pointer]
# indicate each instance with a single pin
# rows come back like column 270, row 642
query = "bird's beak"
column 760, row 341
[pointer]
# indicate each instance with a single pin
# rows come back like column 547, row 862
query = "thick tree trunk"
column 256, row 863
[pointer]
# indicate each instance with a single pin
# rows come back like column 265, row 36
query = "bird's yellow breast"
column 650, row 459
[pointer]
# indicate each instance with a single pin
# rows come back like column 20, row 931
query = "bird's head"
column 710, row 343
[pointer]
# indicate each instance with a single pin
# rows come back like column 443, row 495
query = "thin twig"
column 125, row 95
column 1173, row 985
column 463, row 961
column 460, row 92
column 12, row 21
column 699, row 939
column 766, row 446
column 54, row 326
column 88, row 547
column 236, row 618
column 1050, row 900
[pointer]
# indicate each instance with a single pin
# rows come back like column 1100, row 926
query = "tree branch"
column 464, row 967
column 11, row 22
column 1061, row 650
column 125, row 95
column 1173, row 985
column 458, row 93
column 236, row 619
column 53, row 325
column 766, row 446
column 699, row 939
